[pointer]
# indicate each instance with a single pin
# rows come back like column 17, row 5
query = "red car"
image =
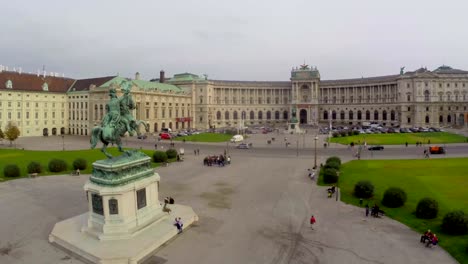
column 165, row 136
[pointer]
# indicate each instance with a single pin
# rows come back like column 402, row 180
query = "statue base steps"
column 72, row 235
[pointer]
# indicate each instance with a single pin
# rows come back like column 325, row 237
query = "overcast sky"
column 232, row 40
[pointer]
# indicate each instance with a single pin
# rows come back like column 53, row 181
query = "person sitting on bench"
column 426, row 236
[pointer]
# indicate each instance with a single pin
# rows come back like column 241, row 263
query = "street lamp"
column 336, row 195
column 315, row 151
column 63, row 142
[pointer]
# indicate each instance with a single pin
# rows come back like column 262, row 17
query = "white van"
column 237, row 138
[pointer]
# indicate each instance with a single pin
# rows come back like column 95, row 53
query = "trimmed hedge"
column 333, row 159
column 427, row 208
column 364, row 189
column 159, row 156
column 171, row 153
column 34, row 167
column 455, row 223
column 80, row 164
column 57, row 165
column 394, row 197
column 11, row 170
column 332, row 165
column 330, row 175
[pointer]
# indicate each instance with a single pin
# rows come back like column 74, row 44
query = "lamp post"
column 336, row 196
column 63, row 142
column 315, row 151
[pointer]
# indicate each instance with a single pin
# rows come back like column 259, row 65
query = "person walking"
column 367, row 210
column 312, row 222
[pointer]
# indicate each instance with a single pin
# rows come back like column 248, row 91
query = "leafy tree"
column 11, row 132
column 2, row 135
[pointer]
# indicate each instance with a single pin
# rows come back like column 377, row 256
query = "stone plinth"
column 125, row 222
column 293, row 128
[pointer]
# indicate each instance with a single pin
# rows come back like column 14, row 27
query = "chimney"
column 20, row 70
column 161, row 76
column 137, row 76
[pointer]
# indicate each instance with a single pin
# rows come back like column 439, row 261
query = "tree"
column 11, row 132
column 2, row 135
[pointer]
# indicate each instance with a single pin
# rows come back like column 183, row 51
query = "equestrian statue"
column 117, row 121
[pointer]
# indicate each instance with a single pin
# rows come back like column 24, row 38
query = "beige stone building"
column 50, row 105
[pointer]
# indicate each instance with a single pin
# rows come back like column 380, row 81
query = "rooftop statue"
column 293, row 115
column 117, row 121
column 402, row 70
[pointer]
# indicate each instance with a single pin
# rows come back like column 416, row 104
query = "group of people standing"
column 220, row 160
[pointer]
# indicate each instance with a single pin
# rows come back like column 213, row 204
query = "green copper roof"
column 146, row 85
column 187, row 77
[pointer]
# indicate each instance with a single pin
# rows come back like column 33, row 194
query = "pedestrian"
column 406, row 144
column 155, row 146
column 198, row 151
column 367, row 210
column 312, row 222
column 178, row 225
column 194, row 152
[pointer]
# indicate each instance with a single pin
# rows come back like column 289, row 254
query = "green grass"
column 206, row 137
column 445, row 180
column 401, row 138
column 23, row 157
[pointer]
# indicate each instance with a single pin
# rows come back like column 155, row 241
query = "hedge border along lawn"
column 206, row 137
column 445, row 180
column 23, row 157
column 401, row 138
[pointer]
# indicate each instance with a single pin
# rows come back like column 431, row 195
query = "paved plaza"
column 254, row 211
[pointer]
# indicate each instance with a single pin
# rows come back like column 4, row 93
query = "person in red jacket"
column 312, row 221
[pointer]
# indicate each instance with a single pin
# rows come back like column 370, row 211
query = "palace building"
column 50, row 105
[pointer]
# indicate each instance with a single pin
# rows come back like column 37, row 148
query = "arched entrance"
column 45, row 132
column 62, row 131
column 303, row 116
column 461, row 120
column 54, row 131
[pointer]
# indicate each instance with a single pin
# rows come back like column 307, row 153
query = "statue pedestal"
column 125, row 222
column 293, row 128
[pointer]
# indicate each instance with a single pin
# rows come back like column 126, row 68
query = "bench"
column 33, row 175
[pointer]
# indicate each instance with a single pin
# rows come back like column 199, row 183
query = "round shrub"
column 333, row 165
column 355, row 132
column 350, row 133
column 171, row 153
column 394, row 197
column 80, row 164
column 34, row 167
column 364, row 189
column 343, row 133
column 335, row 134
column 330, row 175
column 159, row 156
column 427, row 208
column 57, row 165
column 11, row 170
column 455, row 223
column 334, row 159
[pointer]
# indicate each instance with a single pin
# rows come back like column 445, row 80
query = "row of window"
column 359, row 115
column 36, row 115
column 426, row 84
column 18, row 104
column 235, row 115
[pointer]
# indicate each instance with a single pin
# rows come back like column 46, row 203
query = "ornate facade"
column 51, row 105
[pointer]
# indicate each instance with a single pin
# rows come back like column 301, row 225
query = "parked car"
column 237, row 138
column 142, row 136
column 165, row 136
column 436, row 150
column 376, row 147
column 243, row 146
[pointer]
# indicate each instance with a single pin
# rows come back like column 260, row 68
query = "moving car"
column 436, row 150
column 237, row 138
column 243, row 146
column 376, row 147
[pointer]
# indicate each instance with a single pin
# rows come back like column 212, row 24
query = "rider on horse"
column 126, row 105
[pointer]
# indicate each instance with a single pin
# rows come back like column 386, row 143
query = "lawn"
column 206, row 137
column 445, row 180
column 23, row 157
column 401, row 138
